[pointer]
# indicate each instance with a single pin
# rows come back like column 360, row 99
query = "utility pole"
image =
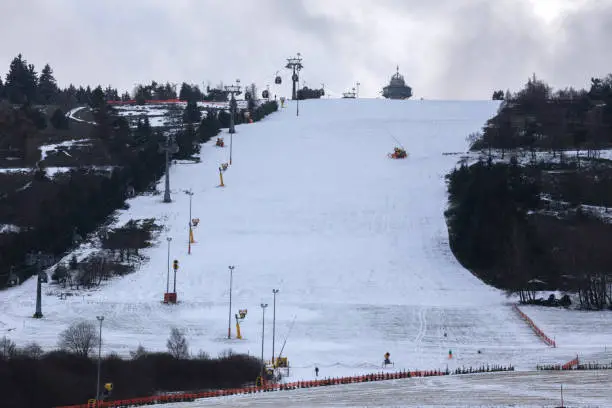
column 295, row 64
column 190, row 194
column 41, row 261
column 229, row 320
column 100, row 319
column 169, row 147
column 233, row 90
column 263, row 321
column 274, row 291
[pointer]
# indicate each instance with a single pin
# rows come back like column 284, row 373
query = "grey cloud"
column 446, row 49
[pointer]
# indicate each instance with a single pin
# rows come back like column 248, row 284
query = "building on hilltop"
column 397, row 88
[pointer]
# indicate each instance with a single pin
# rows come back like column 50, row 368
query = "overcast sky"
column 446, row 49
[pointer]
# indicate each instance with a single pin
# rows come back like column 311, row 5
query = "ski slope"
column 355, row 242
column 586, row 389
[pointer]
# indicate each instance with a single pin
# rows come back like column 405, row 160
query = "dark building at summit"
column 397, row 88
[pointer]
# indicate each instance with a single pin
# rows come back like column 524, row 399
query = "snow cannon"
column 398, row 153
column 220, row 142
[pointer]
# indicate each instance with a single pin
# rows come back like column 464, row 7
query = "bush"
column 60, row 378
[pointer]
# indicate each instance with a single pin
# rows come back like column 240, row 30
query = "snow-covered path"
column 355, row 242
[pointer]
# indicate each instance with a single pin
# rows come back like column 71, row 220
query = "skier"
column 387, row 360
column 316, row 371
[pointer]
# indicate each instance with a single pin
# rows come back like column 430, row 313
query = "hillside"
column 356, row 243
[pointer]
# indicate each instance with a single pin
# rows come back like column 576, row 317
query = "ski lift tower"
column 295, row 64
column 41, row 260
column 233, row 90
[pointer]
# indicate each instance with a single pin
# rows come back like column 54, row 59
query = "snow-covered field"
column 519, row 390
column 355, row 242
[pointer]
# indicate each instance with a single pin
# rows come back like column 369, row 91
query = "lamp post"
column 229, row 319
column 190, row 194
column 274, row 291
column 100, row 319
column 263, row 321
column 168, row 272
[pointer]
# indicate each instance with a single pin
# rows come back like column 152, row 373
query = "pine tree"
column 47, row 86
column 1, row 90
column 186, row 141
column 192, row 112
column 21, row 81
column 59, row 120
column 186, row 92
column 98, row 100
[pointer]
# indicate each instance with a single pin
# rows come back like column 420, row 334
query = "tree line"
column 51, row 210
column 538, row 118
column 541, row 224
column 31, row 377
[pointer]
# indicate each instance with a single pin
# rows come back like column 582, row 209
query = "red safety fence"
column 152, row 101
column 187, row 397
column 570, row 364
column 535, row 328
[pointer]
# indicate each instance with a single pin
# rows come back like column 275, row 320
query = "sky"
column 445, row 49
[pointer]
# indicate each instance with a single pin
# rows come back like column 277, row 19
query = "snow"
column 71, row 114
column 356, row 243
column 9, row 228
column 513, row 389
column 46, row 149
column 16, row 170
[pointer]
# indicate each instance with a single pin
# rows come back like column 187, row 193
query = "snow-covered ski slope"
column 534, row 389
column 355, row 242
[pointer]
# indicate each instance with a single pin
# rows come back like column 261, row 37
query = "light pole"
column 229, row 319
column 190, row 194
column 263, row 321
column 100, row 319
column 168, row 273
column 274, row 291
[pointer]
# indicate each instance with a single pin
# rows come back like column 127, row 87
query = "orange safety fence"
column 570, row 364
column 187, row 397
column 535, row 328
column 133, row 101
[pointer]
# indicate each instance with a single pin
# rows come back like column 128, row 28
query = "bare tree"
column 177, row 344
column 138, row 353
column 32, row 350
column 80, row 338
column 8, row 348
